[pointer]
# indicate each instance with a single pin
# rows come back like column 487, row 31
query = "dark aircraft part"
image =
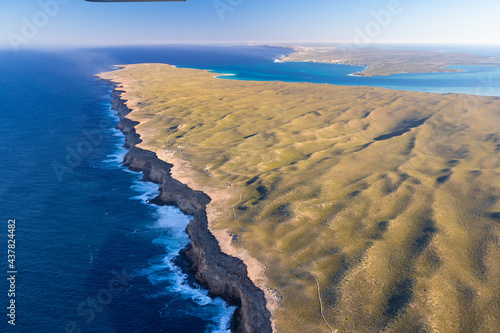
column 130, row 0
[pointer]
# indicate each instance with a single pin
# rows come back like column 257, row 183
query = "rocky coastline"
column 221, row 274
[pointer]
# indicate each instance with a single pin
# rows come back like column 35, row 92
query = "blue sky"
column 33, row 23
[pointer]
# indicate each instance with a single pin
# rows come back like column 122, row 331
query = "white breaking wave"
column 115, row 159
column 224, row 320
column 145, row 190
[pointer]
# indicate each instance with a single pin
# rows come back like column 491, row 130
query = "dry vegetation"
column 390, row 198
column 389, row 61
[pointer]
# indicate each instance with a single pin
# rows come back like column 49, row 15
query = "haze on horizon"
column 81, row 23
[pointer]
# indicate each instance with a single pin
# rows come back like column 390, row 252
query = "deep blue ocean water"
column 91, row 254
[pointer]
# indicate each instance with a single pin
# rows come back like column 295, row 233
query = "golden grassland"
column 382, row 61
column 386, row 201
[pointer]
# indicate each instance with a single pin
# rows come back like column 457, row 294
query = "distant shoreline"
column 384, row 62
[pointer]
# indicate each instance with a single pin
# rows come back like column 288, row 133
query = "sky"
column 50, row 23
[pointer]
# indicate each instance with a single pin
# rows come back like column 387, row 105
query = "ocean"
column 91, row 254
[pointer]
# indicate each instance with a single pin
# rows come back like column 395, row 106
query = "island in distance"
column 355, row 209
column 385, row 61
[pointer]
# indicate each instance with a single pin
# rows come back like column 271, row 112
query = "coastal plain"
column 356, row 209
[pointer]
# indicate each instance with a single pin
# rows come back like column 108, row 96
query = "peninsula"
column 381, row 61
column 354, row 209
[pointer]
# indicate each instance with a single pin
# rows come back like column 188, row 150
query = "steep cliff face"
column 223, row 275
